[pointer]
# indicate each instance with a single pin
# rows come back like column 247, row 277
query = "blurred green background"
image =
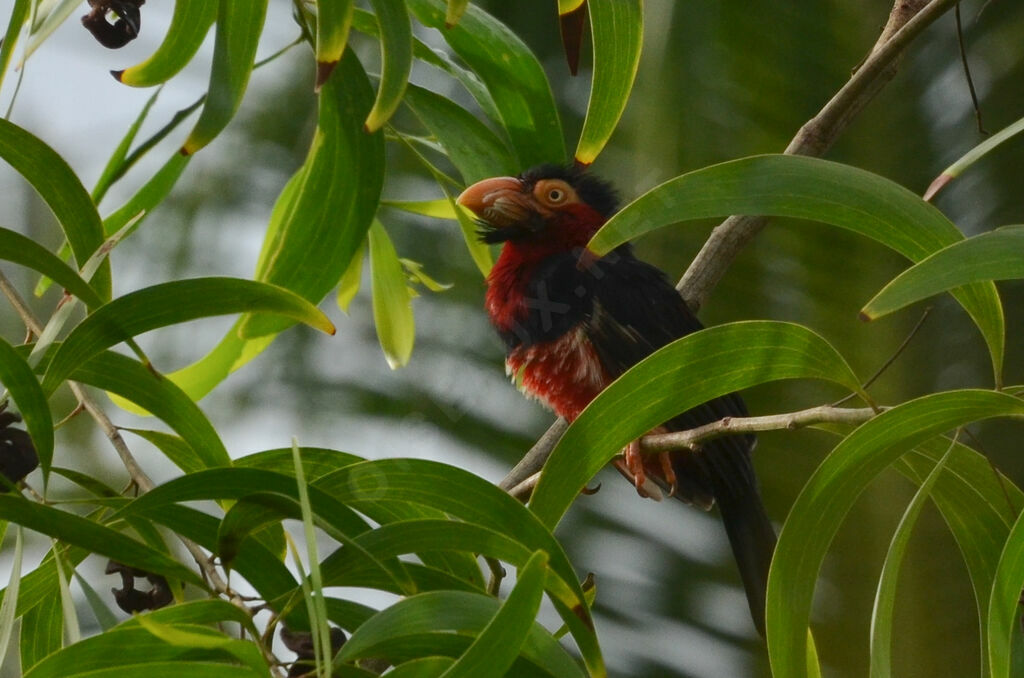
column 718, row 80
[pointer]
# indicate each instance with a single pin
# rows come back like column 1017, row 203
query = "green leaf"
column 117, row 165
column 174, row 448
column 333, row 20
column 348, row 286
column 500, row 641
column 200, row 638
column 90, row 535
column 131, row 380
column 239, row 24
column 972, row 156
column 10, row 602
column 809, row 188
column 832, row 490
column 996, row 255
column 189, row 25
column 104, row 617
column 689, row 371
column 42, row 631
column 1003, row 606
column 72, row 631
column 25, row 251
column 513, row 77
column 19, row 15
column 18, row 378
column 885, row 595
column 396, row 60
column 472, row 147
column 131, row 649
column 392, row 302
column 438, row 209
column 617, row 31
column 61, row 189
column 168, row 304
column 149, row 196
column 454, row 12
column 322, row 219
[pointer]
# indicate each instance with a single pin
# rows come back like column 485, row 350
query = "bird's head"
column 547, row 209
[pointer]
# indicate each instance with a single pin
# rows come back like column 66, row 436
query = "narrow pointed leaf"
column 239, row 25
column 189, row 24
column 500, row 641
column 454, row 12
column 617, row 30
column 1004, row 605
column 173, row 447
column 513, row 77
column 810, row 188
column 200, row 638
column 42, row 630
column 323, row 219
column 996, row 255
column 572, row 22
column 90, row 535
column 333, row 21
column 396, row 60
column 885, row 595
column 19, row 380
column 156, row 394
column 61, row 189
column 972, row 156
column 348, row 286
column 831, row 491
column 392, row 302
column 149, row 196
column 689, row 371
column 438, row 209
column 169, row 304
column 19, row 14
column 27, row 252
column 116, row 165
column 10, row 602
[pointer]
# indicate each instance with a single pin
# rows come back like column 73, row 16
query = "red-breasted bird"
column 572, row 324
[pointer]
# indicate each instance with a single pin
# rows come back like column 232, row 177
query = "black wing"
column 634, row 311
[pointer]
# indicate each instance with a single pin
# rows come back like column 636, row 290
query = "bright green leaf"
column 617, row 31
column 27, row 252
column 512, row 74
column 832, row 490
column 61, row 189
column 168, row 304
column 333, row 20
column 809, row 188
column 972, row 156
column 693, row 370
column 392, row 303
column 996, row 255
column 189, row 24
column 348, row 286
column 19, row 15
column 200, row 638
column 239, row 25
column 396, row 59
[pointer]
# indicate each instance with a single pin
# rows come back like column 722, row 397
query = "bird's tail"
column 752, row 538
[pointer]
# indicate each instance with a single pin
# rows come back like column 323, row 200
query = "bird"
column 572, row 322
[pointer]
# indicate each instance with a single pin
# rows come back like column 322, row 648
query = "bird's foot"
column 631, row 465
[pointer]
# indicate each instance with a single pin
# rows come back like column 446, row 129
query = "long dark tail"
column 752, row 538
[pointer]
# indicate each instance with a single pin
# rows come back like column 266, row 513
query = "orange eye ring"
column 553, row 193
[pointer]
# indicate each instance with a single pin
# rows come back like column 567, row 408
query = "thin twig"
column 967, row 70
column 906, row 21
column 691, row 439
column 896, row 354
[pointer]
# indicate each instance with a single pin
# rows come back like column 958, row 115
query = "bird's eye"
column 556, row 195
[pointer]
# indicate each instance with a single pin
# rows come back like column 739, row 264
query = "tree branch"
column 907, row 19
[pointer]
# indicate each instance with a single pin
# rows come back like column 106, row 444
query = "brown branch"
column 907, row 20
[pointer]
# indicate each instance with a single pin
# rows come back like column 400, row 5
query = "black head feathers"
column 596, row 192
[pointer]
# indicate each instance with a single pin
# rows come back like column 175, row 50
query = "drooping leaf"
column 90, row 535
column 396, row 60
column 19, row 15
column 333, row 21
column 61, row 189
column 116, row 165
column 972, row 156
column 27, row 252
column 173, row 447
column 239, row 25
column 885, row 595
column 189, row 24
column 689, row 371
column 996, row 255
column 17, row 377
column 392, row 302
column 512, row 75
column 810, row 188
column 617, row 30
column 831, row 491
column 168, row 304
column 572, row 22
column 200, row 638
column 348, row 286
column 149, row 196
